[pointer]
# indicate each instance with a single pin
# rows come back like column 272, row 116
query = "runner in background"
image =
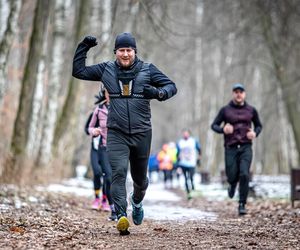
column 240, row 125
column 188, row 152
column 96, row 168
column 166, row 165
column 98, row 129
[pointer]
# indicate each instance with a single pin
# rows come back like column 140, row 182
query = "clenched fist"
column 228, row 129
column 251, row 134
column 150, row 92
column 90, row 41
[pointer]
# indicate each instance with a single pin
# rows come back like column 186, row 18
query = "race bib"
column 96, row 141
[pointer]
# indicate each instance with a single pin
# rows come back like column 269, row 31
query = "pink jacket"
column 100, row 113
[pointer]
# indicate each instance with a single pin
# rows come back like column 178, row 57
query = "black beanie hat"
column 125, row 40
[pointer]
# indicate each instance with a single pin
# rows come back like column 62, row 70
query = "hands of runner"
column 96, row 131
column 90, row 41
column 228, row 129
column 251, row 134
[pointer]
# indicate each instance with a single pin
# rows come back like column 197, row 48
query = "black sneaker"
column 231, row 191
column 113, row 216
column 242, row 209
column 137, row 212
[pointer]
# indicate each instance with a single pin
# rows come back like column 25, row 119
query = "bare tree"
column 5, row 44
column 56, row 68
column 23, row 119
column 277, row 20
column 64, row 119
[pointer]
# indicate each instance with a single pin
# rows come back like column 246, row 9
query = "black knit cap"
column 125, row 40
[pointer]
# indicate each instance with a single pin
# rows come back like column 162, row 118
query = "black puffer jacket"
column 131, row 114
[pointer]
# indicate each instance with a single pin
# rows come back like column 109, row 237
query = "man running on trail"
column 237, row 118
column 131, row 84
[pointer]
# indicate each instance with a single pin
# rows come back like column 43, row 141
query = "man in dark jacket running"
column 237, row 118
column 131, row 84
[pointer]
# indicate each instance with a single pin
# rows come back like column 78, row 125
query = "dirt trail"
column 54, row 221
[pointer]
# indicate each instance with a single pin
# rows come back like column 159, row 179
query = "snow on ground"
column 272, row 186
column 76, row 186
column 162, row 204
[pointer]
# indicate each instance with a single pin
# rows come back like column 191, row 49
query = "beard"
column 126, row 63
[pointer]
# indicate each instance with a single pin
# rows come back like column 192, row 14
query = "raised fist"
column 90, row 41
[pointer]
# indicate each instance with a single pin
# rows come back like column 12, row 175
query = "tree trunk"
column 23, row 119
column 56, row 66
column 289, row 96
column 6, row 42
column 34, row 136
column 64, row 119
column 106, row 27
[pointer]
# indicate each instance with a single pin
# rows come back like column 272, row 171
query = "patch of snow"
column 156, row 192
column 162, row 212
column 60, row 188
column 18, row 203
column 76, row 186
column 4, row 207
column 32, row 199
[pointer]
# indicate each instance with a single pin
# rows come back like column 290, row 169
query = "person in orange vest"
column 166, row 164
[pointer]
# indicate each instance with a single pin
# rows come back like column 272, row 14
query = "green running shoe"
column 137, row 212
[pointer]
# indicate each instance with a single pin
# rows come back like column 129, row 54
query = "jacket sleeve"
column 178, row 151
column 216, row 125
column 198, row 147
column 93, row 121
column 256, row 122
column 161, row 81
column 86, row 127
column 83, row 72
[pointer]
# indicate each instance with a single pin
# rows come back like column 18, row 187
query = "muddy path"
column 32, row 219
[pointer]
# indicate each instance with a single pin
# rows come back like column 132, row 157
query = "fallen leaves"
column 16, row 229
column 160, row 229
column 63, row 222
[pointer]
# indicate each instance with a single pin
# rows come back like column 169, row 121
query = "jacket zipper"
column 128, row 114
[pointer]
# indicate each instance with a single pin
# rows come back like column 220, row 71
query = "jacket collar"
column 232, row 104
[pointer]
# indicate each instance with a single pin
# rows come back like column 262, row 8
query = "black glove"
column 153, row 93
column 90, row 41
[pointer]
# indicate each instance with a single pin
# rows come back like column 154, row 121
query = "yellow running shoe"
column 123, row 225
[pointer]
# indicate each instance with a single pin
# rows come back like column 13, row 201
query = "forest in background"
column 204, row 46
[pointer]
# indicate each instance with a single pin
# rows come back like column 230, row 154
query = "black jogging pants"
column 124, row 149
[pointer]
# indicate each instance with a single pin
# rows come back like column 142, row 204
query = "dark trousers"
column 168, row 176
column 97, row 172
column 237, row 165
column 188, row 173
column 106, row 169
column 122, row 149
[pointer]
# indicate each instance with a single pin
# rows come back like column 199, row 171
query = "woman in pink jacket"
column 100, row 118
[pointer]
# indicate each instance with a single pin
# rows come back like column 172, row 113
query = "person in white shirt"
column 188, row 153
